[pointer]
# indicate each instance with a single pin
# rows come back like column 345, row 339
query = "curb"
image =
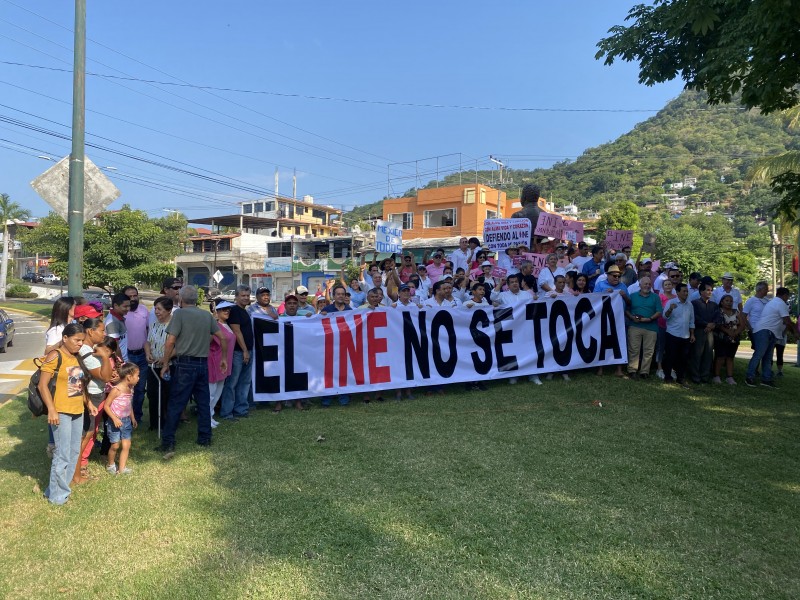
column 26, row 312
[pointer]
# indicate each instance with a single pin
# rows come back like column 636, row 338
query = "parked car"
column 6, row 331
column 229, row 295
column 32, row 277
column 103, row 297
column 51, row 279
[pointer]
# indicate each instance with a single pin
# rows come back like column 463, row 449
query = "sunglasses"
column 304, row 294
column 176, row 287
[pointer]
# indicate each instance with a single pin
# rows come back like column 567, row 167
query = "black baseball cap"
column 263, row 290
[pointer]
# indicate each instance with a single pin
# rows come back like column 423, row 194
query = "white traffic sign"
column 218, row 276
column 98, row 190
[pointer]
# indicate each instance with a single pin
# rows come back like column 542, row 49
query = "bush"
column 20, row 291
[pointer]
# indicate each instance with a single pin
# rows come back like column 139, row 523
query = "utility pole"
column 774, row 266
column 76, row 159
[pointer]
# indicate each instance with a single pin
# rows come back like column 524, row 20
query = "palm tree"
column 8, row 211
column 783, row 164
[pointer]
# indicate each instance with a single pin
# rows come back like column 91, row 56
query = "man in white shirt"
column 727, row 287
column 404, row 301
column 439, row 298
column 771, row 326
column 462, row 256
column 755, row 305
column 583, row 256
column 514, row 295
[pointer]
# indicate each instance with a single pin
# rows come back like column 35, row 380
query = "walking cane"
column 155, row 372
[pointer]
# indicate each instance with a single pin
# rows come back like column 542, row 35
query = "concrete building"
column 455, row 210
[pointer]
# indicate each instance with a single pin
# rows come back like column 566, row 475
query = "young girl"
column 118, row 409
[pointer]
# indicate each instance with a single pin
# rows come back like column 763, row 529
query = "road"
column 16, row 364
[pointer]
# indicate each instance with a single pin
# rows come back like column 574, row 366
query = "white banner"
column 388, row 237
column 499, row 234
column 364, row 351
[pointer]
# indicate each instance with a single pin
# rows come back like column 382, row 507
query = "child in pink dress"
column 118, row 408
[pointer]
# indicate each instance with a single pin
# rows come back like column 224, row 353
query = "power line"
column 353, row 100
column 184, row 83
column 175, row 136
column 201, row 116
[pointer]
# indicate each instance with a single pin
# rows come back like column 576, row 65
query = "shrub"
column 20, row 291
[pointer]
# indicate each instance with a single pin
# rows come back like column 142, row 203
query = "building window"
column 297, row 230
column 269, row 206
column 258, row 207
column 320, row 214
column 300, row 210
column 405, row 220
column 491, row 214
column 483, row 196
column 247, row 209
column 469, row 196
column 440, row 218
column 279, row 249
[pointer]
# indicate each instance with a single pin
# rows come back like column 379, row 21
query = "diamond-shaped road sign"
column 98, row 190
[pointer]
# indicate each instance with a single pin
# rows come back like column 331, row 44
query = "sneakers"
column 549, row 377
column 660, row 374
column 716, row 380
column 125, row 471
column 769, row 384
column 779, row 374
column 535, row 379
column 730, row 381
column 214, row 424
column 512, row 381
column 112, row 469
column 749, row 382
column 566, row 377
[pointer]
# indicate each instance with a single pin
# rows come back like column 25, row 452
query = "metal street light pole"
column 76, row 159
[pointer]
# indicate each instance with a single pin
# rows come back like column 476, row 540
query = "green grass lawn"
column 521, row 492
column 39, row 309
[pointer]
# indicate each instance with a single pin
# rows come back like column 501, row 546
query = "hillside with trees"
column 702, row 154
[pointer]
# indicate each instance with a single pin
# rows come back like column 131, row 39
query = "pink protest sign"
column 539, row 261
column 549, row 225
column 517, row 260
column 474, row 273
column 573, row 231
column 619, row 238
column 499, row 272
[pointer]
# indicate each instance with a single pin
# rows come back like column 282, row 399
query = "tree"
column 725, row 47
column 120, row 248
column 9, row 211
column 623, row 215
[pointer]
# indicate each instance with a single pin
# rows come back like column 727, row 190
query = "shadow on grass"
column 520, row 492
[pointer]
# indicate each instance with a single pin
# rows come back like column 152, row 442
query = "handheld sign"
column 499, row 272
column 539, row 262
column 573, row 231
column 388, row 237
column 618, row 239
column 499, row 234
column 475, row 273
column 517, row 260
column 649, row 243
column 549, row 225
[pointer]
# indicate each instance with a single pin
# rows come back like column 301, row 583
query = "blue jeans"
column 763, row 344
column 237, row 388
column 67, row 434
column 189, row 378
column 344, row 400
column 140, row 360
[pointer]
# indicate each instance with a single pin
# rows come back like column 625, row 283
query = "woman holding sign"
column 548, row 275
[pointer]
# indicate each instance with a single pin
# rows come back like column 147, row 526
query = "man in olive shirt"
column 188, row 335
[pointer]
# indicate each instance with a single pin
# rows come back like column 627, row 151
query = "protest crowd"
column 681, row 328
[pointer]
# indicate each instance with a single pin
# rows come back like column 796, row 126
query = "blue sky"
column 515, row 55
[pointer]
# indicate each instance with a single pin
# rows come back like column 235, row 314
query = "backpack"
column 35, row 402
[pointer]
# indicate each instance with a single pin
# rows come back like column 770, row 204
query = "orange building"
column 457, row 210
